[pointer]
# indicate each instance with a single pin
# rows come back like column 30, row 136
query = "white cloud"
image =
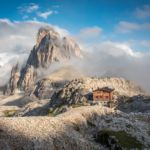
column 91, row 31
column 126, row 27
column 143, row 12
column 16, row 41
column 117, row 49
column 28, row 10
column 103, row 58
column 110, row 58
column 145, row 43
column 46, row 14
column 89, row 34
column 31, row 7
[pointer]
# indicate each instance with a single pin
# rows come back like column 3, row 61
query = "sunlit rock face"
column 13, row 81
column 51, row 47
column 29, row 77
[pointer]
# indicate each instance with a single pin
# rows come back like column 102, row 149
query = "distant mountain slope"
column 47, row 86
column 65, row 73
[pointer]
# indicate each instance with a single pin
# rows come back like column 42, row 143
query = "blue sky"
column 75, row 15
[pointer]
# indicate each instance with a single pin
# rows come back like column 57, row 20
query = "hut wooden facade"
column 103, row 94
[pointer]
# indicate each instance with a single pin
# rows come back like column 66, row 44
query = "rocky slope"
column 78, row 129
column 77, row 90
column 50, row 47
column 46, row 87
column 134, row 104
column 35, row 108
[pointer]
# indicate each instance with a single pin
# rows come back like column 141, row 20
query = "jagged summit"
column 49, row 47
column 43, row 31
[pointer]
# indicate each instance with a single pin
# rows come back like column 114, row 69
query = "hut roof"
column 104, row 89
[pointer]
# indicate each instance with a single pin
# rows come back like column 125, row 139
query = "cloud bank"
column 16, row 41
column 108, row 58
column 126, row 27
column 143, row 12
column 102, row 58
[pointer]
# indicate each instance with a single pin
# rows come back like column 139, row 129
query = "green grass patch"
column 56, row 111
column 125, row 140
column 9, row 113
column 79, row 105
column 76, row 105
column 90, row 123
column 52, row 112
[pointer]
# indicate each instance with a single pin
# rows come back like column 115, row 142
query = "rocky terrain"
column 79, row 90
column 79, row 129
column 58, row 93
column 134, row 104
column 46, row 87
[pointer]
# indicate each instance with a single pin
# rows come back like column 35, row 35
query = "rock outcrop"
column 46, row 87
column 36, row 108
column 13, row 82
column 28, row 78
column 78, row 89
column 138, row 103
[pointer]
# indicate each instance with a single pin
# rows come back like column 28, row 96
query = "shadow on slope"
column 135, row 104
column 75, row 130
column 21, row 101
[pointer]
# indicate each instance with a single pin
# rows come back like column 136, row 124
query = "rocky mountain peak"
column 70, row 44
column 50, row 47
column 46, row 31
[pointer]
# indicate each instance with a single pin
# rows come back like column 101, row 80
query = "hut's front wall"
column 103, row 96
